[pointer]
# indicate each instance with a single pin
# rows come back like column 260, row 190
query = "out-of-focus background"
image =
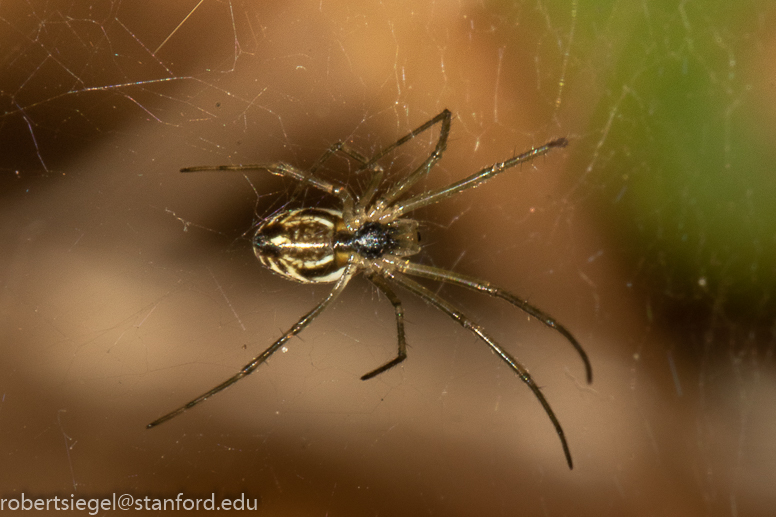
column 127, row 288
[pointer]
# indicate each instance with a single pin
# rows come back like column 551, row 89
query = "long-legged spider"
column 314, row 245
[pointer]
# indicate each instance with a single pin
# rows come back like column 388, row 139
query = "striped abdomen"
column 314, row 245
column 299, row 244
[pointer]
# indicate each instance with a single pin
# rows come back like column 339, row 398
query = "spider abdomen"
column 313, row 245
column 299, row 245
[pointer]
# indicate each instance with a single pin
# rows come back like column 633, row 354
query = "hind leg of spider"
column 521, row 371
column 288, row 171
column 443, row 275
column 396, row 302
column 257, row 361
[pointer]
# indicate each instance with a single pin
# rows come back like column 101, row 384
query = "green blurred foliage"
column 685, row 177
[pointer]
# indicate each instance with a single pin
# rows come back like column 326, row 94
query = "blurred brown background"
column 127, row 289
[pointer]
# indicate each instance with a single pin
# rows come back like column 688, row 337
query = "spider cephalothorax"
column 369, row 235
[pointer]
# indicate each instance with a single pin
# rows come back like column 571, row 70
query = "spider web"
column 127, row 288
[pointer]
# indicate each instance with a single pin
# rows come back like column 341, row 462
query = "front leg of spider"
column 370, row 234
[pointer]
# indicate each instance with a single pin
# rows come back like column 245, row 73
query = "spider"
column 371, row 235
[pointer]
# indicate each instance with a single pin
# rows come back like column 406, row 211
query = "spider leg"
column 399, row 188
column 371, row 190
column 442, row 275
column 377, row 171
column 258, row 360
column 285, row 170
column 381, row 284
column 339, row 147
column 446, row 307
column 478, row 178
